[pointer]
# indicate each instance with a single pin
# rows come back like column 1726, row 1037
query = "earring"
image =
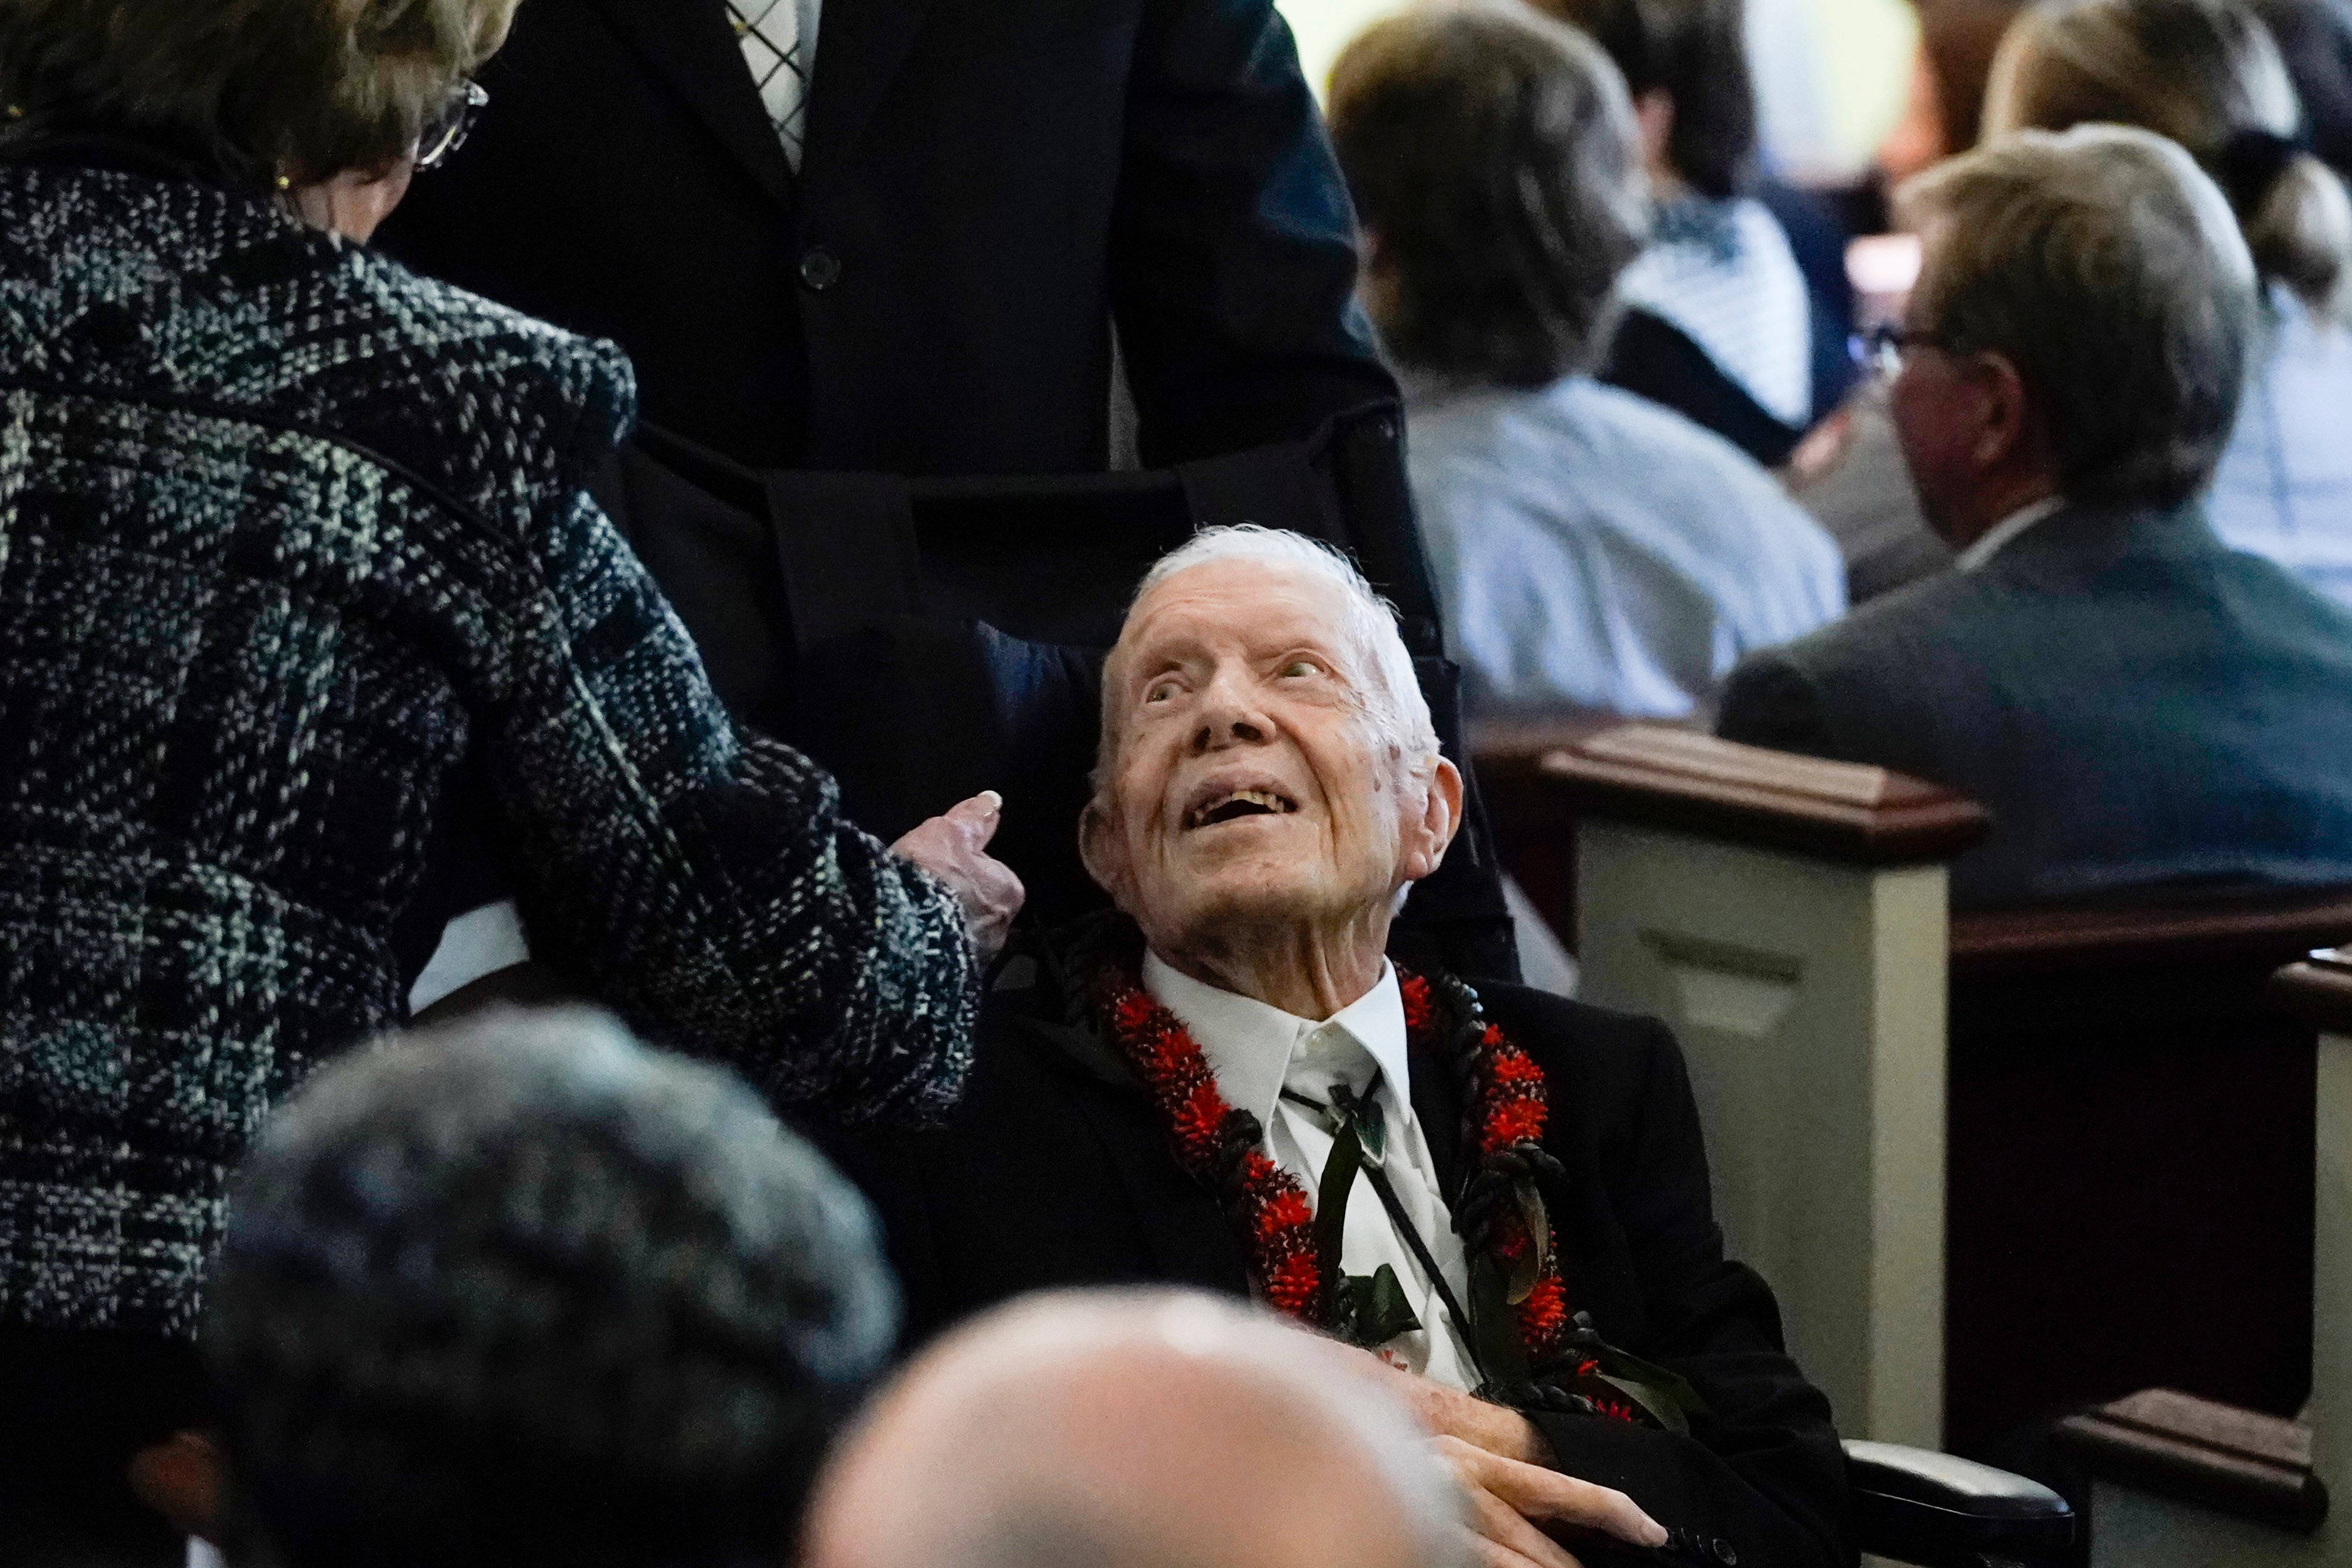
column 16, row 111
column 285, row 183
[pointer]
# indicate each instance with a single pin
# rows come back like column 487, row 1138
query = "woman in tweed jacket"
column 288, row 535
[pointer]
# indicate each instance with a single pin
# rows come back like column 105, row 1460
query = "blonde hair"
column 301, row 89
column 2208, row 75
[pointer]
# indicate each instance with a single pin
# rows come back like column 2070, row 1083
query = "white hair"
column 1396, row 706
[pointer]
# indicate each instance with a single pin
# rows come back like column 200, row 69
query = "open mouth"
column 1237, row 804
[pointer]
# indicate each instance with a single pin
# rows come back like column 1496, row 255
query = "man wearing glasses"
column 2137, row 703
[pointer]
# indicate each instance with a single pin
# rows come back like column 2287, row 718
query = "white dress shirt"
column 779, row 42
column 1256, row 1051
column 1596, row 551
column 1998, row 536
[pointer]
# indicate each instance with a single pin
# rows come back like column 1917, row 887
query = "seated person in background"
column 2315, row 38
column 2206, row 74
column 1177, row 1091
column 1719, row 322
column 1592, row 549
column 523, row 1291
column 1134, row 1430
column 2137, row 704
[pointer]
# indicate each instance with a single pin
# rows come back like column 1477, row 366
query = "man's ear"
column 1427, row 835
column 1102, row 849
column 2004, row 431
column 1654, row 117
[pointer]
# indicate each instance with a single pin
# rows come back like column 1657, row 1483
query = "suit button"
column 1724, row 1554
column 820, row 268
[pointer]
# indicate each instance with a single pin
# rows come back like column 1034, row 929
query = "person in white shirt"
column 1497, row 1196
column 1594, row 551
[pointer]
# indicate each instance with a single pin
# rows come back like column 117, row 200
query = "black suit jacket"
column 986, row 184
column 1056, row 1172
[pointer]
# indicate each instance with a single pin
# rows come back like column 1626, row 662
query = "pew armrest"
column 2178, row 1446
column 1939, row 1511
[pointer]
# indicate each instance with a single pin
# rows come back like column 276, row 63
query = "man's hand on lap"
column 1504, row 1465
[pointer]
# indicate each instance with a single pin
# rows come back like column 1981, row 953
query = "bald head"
column 1133, row 1431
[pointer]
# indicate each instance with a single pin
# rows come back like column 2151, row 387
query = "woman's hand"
column 953, row 848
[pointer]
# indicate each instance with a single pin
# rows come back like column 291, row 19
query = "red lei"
column 1223, row 1147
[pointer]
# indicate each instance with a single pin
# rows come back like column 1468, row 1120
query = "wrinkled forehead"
column 1241, row 603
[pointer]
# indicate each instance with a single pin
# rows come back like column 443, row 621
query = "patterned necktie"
column 770, row 32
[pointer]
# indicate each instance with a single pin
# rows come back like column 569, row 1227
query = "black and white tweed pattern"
column 285, row 532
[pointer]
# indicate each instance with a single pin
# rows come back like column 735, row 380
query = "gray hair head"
column 2109, row 270
column 1395, row 705
column 521, row 1279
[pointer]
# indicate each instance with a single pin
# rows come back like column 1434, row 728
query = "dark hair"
column 1697, row 51
column 1491, row 152
column 521, row 1289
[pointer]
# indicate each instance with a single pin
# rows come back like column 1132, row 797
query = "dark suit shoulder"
column 1611, row 1056
column 1619, row 1081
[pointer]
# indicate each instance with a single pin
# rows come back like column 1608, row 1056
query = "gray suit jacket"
column 2137, row 705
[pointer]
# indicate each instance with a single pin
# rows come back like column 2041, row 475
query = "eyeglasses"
column 1881, row 350
column 446, row 131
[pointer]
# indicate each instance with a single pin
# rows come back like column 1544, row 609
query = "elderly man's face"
column 1251, row 782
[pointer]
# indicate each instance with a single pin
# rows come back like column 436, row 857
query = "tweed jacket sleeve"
column 701, row 879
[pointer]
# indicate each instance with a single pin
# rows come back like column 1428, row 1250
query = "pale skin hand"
column 953, row 847
column 1508, row 1500
column 1503, row 1463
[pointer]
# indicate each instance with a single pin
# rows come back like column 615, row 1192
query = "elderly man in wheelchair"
column 1498, row 1195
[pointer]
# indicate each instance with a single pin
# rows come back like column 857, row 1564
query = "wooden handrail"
column 2177, row 1445
column 1681, row 779
column 2319, row 990
column 2215, row 928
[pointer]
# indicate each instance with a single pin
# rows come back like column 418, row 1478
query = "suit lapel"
column 1184, row 1229
column 1437, row 1106
column 692, row 45
column 860, row 44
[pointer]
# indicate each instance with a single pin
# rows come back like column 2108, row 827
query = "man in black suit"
column 907, row 258
column 1224, row 1083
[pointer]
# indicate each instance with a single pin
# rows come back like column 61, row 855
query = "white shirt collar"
column 1249, row 1044
column 2008, row 528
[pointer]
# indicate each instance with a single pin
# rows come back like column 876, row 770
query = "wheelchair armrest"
column 1917, row 1506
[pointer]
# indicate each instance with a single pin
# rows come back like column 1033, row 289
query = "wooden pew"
column 1535, row 836
column 2182, row 1483
column 2319, row 990
column 1787, row 917
column 2131, row 1173
column 2122, row 1212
